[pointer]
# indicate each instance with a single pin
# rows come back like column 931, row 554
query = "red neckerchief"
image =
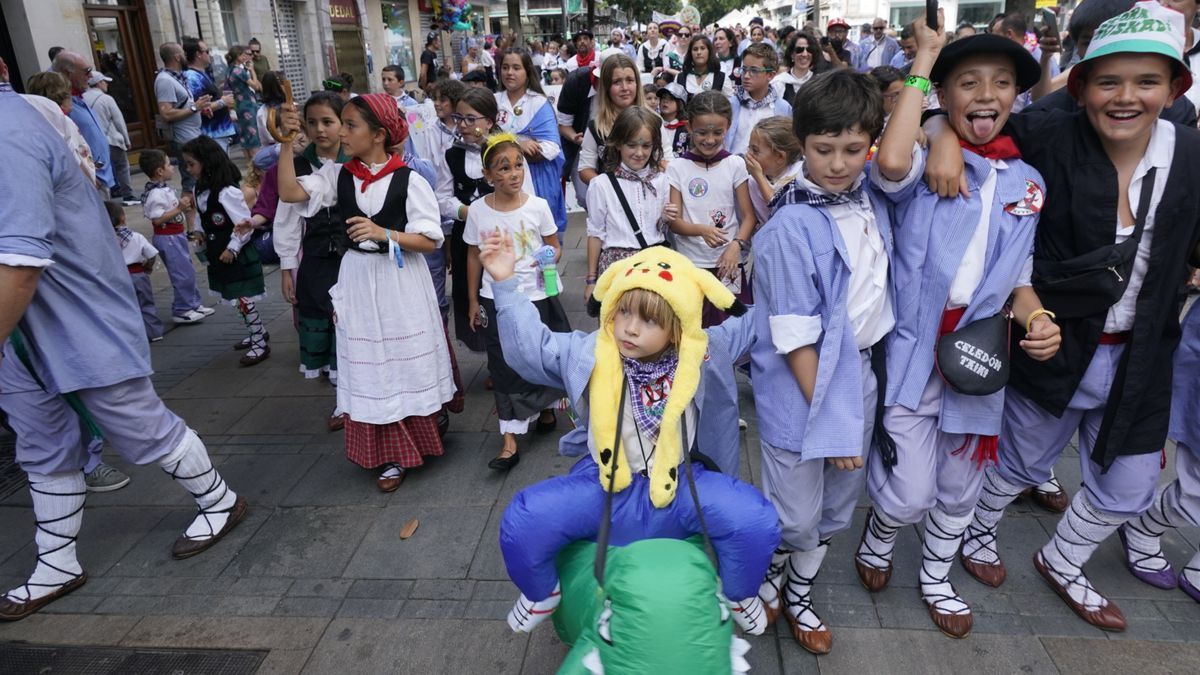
column 363, row 173
column 591, row 56
column 1000, row 147
column 675, row 125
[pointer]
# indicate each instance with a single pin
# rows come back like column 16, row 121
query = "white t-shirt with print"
column 526, row 225
column 709, row 198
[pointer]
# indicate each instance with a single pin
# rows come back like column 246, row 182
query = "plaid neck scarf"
column 124, row 234
column 643, row 177
column 5, row 87
column 150, row 187
column 796, row 192
column 649, row 387
column 750, row 104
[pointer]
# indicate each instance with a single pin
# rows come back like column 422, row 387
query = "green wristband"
column 918, row 82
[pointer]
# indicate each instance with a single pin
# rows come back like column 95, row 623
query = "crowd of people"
column 937, row 255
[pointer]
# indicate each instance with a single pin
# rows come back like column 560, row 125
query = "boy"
column 755, row 98
column 558, row 76
column 811, row 365
column 1111, row 382
column 167, row 213
column 445, row 94
column 139, row 257
column 957, row 263
column 671, row 101
column 393, row 84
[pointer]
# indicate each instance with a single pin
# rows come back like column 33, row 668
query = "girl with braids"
column 523, row 218
column 460, row 182
column 396, row 369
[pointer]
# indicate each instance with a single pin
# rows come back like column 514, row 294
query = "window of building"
column 401, row 47
column 980, row 14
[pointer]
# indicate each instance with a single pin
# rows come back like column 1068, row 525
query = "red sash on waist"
column 169, row 228
column 1114, row 338
column 136, row 268
column 950, row 319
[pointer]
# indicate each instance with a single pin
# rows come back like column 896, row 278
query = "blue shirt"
column 220, row 125
column 97, row 141
column 83, row 326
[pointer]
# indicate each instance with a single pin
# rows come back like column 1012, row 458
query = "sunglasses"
column 685, row 35
column 810, row 49
column 256, row 52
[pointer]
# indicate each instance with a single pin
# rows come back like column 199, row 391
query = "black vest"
column 393, row 215
column 324, row 231
column 599, row 146
column 649, row 64
column 466, row 189
column 679, row 141
column 218, row 230
column 717, row 85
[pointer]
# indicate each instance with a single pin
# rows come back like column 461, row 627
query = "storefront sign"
column 343, row 12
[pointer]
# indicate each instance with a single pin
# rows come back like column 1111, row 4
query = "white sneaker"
column 206, row 311
column 190, row 316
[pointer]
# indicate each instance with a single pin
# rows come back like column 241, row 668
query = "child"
column 957, row 263
column 1111, row 381
column 139, row 257
column 654, row 381
column 773, row 159
column 167, row 213
column 891, row 82
column 393, row 84
column 671, row 101
column 650, row 93
column 395, row 368
column 708, row 186
column 821, row 280
column 632, row 205
column 526, row 220
column 754, row 99
column 558, row 76
column 234, row 270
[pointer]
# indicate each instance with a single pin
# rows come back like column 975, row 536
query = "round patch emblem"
column 502, row 118
column 218, row 220
column 1031, row 203
column 698, row 187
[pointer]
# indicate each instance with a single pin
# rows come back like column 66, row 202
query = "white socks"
column 750, row 615
column 942, row 535
column 979, row 543
column 770, row 590
column 802, row 569
column 879, row 542
column 190, row 466
column 58, row 509
column 392, row 471
column 527, row 614
column 1144, row 532
column 258, row 341
column 1078, row 535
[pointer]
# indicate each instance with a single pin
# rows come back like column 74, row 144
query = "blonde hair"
column 777, row 132
column 651, row 306
column 606, row 112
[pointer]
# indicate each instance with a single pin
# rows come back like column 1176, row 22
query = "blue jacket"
column 890, row 48
column 802, row 269
column 566, row 360
column 97, row 141
column 931, row 237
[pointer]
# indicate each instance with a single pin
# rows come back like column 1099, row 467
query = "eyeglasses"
column 256, row 52
column 752, row 70
column 469, row 119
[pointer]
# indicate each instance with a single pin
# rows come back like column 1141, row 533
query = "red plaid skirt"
column 405, row 442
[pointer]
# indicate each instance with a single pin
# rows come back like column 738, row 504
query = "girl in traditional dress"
column 702, row 71
column 395, row 368
column 523, row 110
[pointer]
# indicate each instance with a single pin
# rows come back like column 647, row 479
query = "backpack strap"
column 633, row 223
column 718, row 80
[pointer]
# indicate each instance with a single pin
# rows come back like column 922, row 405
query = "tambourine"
column 273, row 115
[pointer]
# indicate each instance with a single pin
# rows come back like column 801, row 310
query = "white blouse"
column 420, row 207
column 510, row 121
column 606, row 220
column 473, row 166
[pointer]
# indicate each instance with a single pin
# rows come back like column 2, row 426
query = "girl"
column 701, row 70
column 671, row 101
column 773, row 160
column 617, row 89
column 708, row 186
column 245, row 86
column 803, row 59
column 728, row 59
column 396, row 370
column 631, row 208
column 524, row 111
column 234, row 270
column 525, row 219
column 651, row 55
column 272, row 97
column 306, row 279
column 460, row 182
column 551, row 60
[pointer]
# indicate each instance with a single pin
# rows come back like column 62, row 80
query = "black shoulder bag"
column 633, row 223
column 974, row 359
column 1090, row 284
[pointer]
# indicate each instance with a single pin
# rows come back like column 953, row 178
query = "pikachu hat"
column 685, row 287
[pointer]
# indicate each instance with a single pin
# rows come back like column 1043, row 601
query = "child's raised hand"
column 497, row 255
column 289, row 120
column 186, row 203
column 753, row 167
column 929, row 40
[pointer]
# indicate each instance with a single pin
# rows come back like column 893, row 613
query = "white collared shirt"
column 1159, row 153
column 606, row 219
column 510, row 121
column 970, row 270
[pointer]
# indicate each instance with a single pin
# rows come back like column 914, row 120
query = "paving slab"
column 69, row 629
column 304, row 542
column 442, row 548
column 287, row 633
column 412, row 646
column 1128, row 656
column 859, row 651
column 151, row 556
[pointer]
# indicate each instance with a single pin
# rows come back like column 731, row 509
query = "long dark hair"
column 325, row 98
column 272, row 89
column 532, row 81
column 632, row 120
column 217, row 171
column 820, row 64
column 711, row 66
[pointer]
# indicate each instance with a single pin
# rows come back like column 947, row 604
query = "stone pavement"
column 318, row 575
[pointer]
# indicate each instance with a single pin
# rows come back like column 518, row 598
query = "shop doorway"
column 120, row 41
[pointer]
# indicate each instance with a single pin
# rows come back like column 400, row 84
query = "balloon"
column 461, row 25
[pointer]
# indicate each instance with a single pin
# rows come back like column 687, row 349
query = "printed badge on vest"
column 1031, row 203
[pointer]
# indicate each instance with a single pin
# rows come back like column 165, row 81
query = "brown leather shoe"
column 248, row 360
column 1055, row 502
column 1108, row 617
column 337, row 422
column 873, row 579
column 772, row 612
column 391, row 484
column 813, row 641
column 957, row 626
column 991, row 575
column 15, row 611
column 186, row 548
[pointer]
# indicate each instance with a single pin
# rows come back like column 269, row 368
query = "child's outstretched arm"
column 530, row 348
column 290, row 189
column 895, row 155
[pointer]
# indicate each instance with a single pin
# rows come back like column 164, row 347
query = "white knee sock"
column 190, row 466
column 1079, row 533
column 750, row 615
column 258, row 342
column 1144, row 532
column 769, row 591
column 1192, row 571
column 527, row 614
column 58, row 508
column 943, row 533
column 979, row 542
column 802, row 569
column 880, row 540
